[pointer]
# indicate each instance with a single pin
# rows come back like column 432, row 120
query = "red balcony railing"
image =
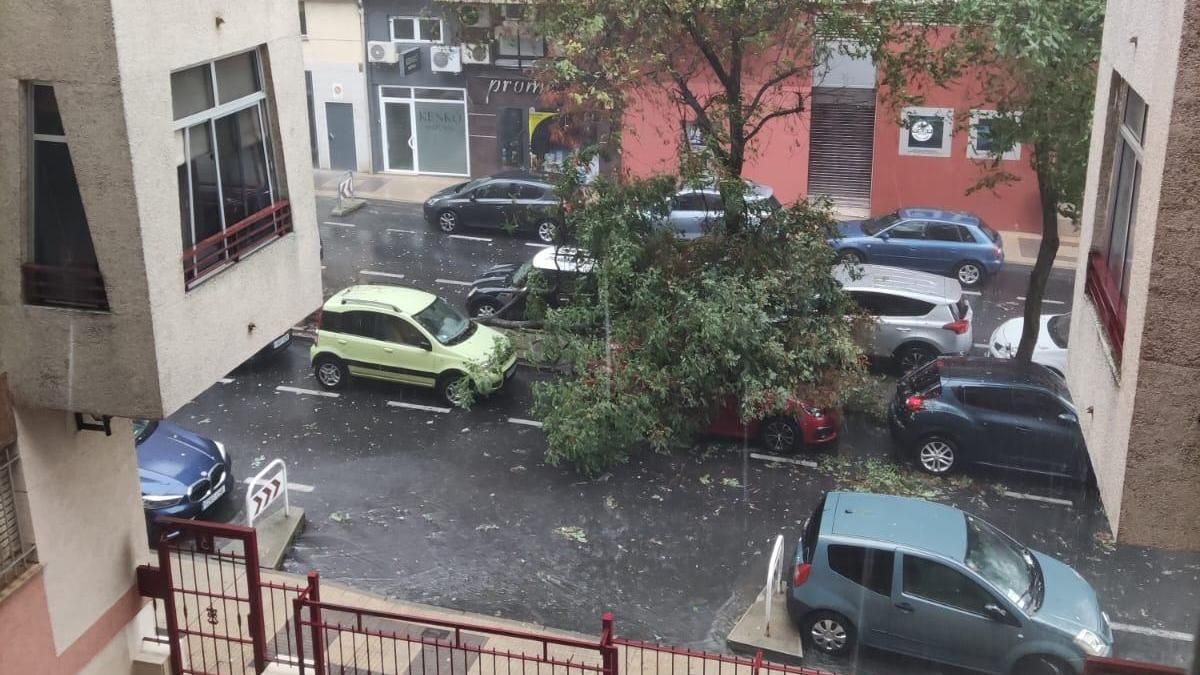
column 236, row 241
column 64, row 286
column 1109, row 305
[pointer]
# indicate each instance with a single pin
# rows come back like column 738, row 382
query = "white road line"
column 417, row 406
column 226, row 380
column 972, row 293
column 292, row 487
column 535, row 245
column 312, row 392
column 453, row 282
column 463, row 236
column 528, row 423
column 980, row 345
column 402, row 231
column 1045, row 301
column 330, row 222
column 1039, row 498
column 1153, row 632
column 373, row 273
column 788, row 460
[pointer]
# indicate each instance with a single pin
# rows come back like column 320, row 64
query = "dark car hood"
column 1070, row 602
column 173, row 458
column 851, row 228
column 496, row 278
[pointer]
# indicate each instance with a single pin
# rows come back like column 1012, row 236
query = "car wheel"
column 453, row 388
column 331, row 372
column 484, row 309
column 829, row 632
column 780, row 434
column 969, row 274
column 849, row 257
column 914, row 356
column 1042, row 664
column 546, row 231
column 937, row 455
column 447, row 221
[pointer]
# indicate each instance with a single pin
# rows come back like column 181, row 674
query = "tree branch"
column 714, row 59
column 762, row 91
column 701, row 111
column 783, row 112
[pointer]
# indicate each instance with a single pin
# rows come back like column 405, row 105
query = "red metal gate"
column 208, row 579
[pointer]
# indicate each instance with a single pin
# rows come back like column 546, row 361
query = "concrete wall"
column 333, row 53
column 1138, row 480
column 334, row 32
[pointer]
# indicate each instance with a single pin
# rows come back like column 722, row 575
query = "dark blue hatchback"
column 950, row 243
column 182, row 473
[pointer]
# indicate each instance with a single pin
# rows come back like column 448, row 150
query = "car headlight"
column 1091, row 644
column 815, row 412
column 160, row 501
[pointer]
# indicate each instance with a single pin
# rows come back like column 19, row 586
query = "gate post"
column 318, row 629
column 608, row 650
column 164, row 564
column 257, row 627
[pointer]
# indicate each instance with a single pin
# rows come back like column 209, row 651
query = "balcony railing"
column 1109, row 305
column 237, row 241
column 64, row 286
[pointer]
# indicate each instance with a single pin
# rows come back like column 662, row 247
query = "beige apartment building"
column 334, row 54
column 159, row 230
column 1134, row 367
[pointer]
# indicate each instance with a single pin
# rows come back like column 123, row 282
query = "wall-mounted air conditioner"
column 476, row 54
column 475, row 16
column 444, row 59
column 382, row 52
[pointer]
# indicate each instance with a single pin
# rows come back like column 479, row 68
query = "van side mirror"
column 995, row 612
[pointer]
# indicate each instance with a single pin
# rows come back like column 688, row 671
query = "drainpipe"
column 366, row 65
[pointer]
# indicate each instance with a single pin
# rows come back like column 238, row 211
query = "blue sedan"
column 183, row 474
column 950, row 243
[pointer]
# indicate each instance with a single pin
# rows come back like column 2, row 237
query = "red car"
column 805, row 426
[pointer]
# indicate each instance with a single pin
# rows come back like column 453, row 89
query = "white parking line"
column 979, row 345
column 453, row 282
column 417, row 406
column 226, row 380
column 1045, row 301
column 1153, row 632
column 373, row 273
column 311, row 392
column 536, row 245
column 292, row 487
column 1039, row 498
column 390, row 229
column 788, row 460
column 463, row 236
column 330, row 222
column 972, row 293
column 528, row 423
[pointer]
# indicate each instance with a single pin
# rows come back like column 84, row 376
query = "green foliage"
column 666, row 330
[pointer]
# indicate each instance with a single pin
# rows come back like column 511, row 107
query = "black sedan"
column 513, row 201
column 505, row 287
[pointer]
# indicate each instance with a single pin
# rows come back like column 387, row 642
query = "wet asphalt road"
column 458, row 509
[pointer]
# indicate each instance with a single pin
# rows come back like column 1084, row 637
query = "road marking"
column 402, row 231
column 1039, row 498
column 330, row 222
column 980, row 345
column 1152, row 632
column 312, row 392
column 453, row 282
column 292, row 487
column 373, row 273
column 226, row 380
column 972, row 293
column 528, row 423
column 536, row 245
column 788, row 460
column 417, row 406
column 463, row 236
column 1045, row 301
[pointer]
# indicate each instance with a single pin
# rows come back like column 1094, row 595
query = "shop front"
column 424, row 130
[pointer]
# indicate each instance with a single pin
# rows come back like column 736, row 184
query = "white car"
column 1051, row 348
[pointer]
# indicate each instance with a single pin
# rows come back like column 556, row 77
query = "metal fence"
column 650, row 658
column 15, row 553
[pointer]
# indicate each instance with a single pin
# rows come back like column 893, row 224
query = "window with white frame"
column 416, row 29
column 226, row 168
column 1123, row 196
column 517, row 40
column 16, row 550
column 926, row 131
column 984, row 129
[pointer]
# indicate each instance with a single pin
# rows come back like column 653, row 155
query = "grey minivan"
column 918, row 315
column 927, row 580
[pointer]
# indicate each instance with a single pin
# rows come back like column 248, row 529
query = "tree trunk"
column 1047, row 251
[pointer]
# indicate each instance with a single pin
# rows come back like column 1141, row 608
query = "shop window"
column 16, row 548
column 517, row 44
column 62, row 270
column 985, row 126
column 926, row 131
column 416, row 29
column 230, row 200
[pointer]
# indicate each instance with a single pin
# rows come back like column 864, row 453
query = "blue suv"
column 950, row 243
column 927, row 580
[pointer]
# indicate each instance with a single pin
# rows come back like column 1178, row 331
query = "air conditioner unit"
column 476, row 53
column 475, row 16
column 445, row 59
column 514, row 12
column 382, row 52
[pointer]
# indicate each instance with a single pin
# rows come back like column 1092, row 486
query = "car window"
column 688, row 201
column 400, row 331
column 895, row 305
column 1033, row 403
column 939, row 583
column 909, row 229
column 998, row 399
column 527, row 191
column 331, row 321
column 868, row 301
column 967, row 235
column 812, row 529
column 358, row 323
column 875, row 225
column 867, row 567
column 1059, row 328
column 712, row 201
column 942, row 232
column 494, row 190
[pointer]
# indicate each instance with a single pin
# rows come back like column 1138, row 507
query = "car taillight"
column 914, row 403
column 958, row 327
column 999, row 252
column 800, row 576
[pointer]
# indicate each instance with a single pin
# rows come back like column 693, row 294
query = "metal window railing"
column 16, row 554
column 235, row 242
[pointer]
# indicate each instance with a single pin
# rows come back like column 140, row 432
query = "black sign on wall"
column 412, row 60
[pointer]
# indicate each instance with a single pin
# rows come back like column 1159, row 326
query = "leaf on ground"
column 340, row 517
column 705, row 480
column 486, row 527
column 610, row 503
column 731, row 482
column 575, row 534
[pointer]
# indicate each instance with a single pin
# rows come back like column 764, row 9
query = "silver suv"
column 918, row 316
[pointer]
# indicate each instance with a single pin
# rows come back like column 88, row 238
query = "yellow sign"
column 535, row 120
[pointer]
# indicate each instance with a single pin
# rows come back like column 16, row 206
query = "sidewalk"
column 1021, row 248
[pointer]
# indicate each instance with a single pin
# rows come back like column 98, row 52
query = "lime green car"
column 406, row 335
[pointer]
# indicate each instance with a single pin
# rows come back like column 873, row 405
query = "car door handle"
column 388, row 350
column 904, row 607
column 900, row 329
column 341, row 342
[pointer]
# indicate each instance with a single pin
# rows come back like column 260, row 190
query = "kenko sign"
column 486, row 87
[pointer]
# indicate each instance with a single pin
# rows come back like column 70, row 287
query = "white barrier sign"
column 774, row 577
column 269, row 485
